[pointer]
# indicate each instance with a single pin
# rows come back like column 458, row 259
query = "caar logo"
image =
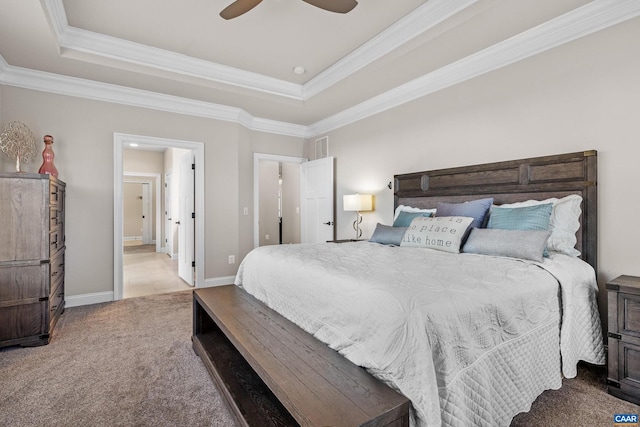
column 625, row 420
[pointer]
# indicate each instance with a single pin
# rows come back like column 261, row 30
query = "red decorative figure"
column 47, row 157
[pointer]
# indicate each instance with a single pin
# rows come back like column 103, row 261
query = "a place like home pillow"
column 443, row 233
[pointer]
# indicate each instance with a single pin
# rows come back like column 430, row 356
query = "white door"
column 168, row 221
column 316, row 201
column 186, row 223
column 146, row 214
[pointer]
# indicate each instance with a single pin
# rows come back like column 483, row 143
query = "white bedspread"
column 469, row 339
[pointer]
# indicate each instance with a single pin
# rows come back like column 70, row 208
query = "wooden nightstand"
column 623, row 380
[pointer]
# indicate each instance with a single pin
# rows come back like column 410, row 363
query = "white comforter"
column 469, row 339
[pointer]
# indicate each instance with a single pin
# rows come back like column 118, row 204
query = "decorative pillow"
column 403, row 208
column 387, row 235
column 525, row 218
column 404, row 218
column 476, row 209
column 529, row 244
column 443, row 233
column 564, row 222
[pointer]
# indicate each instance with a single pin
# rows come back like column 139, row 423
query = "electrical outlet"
column 245, row 211
column 266, row 237
column 232, row 259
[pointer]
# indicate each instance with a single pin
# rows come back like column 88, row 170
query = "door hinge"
column 165, row 185
column 193, row 264
column 193, row 215
column 193, row 166
column 616, row 336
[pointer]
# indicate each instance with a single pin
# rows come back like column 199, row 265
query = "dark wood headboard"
column 536, row 178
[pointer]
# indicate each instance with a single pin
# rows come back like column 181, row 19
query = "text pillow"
column 443, row 233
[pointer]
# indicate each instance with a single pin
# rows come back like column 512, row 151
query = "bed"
column 469, row 338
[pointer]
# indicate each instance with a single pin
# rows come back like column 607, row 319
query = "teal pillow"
column 387, row 235
column 524, row 218
column 404, row 218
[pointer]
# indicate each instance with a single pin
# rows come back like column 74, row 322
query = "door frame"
column 151, row 179
column 256, row 186
column 120, row 140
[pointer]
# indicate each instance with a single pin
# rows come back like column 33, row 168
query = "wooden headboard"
column 536, row 178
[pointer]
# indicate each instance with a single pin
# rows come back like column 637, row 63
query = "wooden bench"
column 272, row 373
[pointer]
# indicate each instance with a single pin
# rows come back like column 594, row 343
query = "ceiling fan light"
column 299, row 70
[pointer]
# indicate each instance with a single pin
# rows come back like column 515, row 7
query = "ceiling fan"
column 239, row 7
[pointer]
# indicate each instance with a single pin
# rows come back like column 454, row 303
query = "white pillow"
column 563, row 224
column 443, row 233
column 402, row 208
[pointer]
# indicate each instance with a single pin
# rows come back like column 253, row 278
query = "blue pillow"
column 404, row 218
column 524, row 218
column 476, row 209
column 387, row 235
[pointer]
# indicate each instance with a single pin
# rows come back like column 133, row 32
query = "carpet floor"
column 124, row 363
column 131, row 363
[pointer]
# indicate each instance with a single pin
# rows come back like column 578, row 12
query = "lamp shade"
column 357, row 202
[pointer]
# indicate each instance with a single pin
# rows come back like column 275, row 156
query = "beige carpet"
column 126, row 363
column 130, row 363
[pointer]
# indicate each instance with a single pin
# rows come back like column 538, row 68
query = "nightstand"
column 623, row 380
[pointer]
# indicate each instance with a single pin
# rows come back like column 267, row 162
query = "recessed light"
column 299, row 70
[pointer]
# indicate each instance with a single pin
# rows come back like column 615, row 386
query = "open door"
column 186, row 221
column 317, row 201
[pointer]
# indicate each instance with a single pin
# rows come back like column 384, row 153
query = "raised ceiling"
column 183, row 57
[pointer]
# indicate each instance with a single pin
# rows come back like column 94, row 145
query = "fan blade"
column 239, row 7
column 338, row 6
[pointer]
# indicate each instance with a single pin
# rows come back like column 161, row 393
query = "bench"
column 272, row 373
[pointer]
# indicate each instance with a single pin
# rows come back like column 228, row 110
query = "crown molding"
column 593, row 17
column 98, row 91
column 71, row 39
column 417, row 22
column 588, row 19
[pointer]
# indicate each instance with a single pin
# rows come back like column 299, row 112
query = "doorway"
column 121, row 141
column 276, row 199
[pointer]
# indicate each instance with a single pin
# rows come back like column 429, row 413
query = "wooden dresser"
column 623, row 295
column 32, row 247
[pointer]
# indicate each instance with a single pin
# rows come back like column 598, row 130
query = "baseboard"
column 218, row 281
column 99, row 297
column 88, row 299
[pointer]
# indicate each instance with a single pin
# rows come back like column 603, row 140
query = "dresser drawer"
column 56, row 217
column 56, row 192
column 56, row 240
column 23, row 281
column 22, row 320
column 629, row 314
column 56, row 300
column 56, row 270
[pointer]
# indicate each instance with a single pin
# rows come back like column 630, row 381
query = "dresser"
column 623, row 294
column 32, row 263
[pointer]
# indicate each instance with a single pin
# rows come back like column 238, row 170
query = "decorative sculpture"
column 47, row 158
column 17, row 142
